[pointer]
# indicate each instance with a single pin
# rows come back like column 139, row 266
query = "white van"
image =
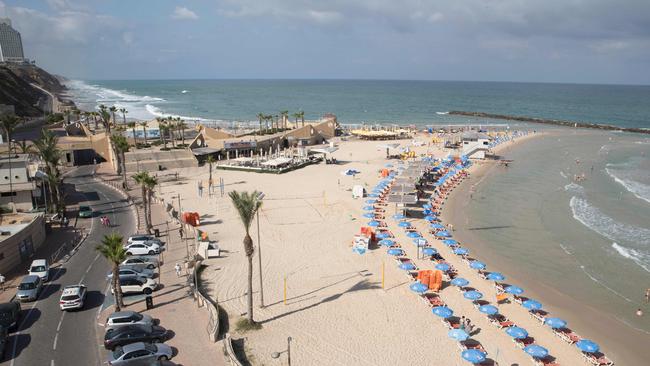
column 41, row 269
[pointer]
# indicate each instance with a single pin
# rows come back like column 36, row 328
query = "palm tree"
column 67, row 114
column 172, row 128
column 284, row 115
column 113, row 250
column 24, row 147
column 260, row 116
column 301, row 114
column 164, row 128
column 132, row 125
column 150, row 183
column 296, row 116
column 113, row 109
column 141, row 179
column 210, row 160
column 9, row 124
column 144, row 129
column 247, row 205
column 182, row 126
column 124, row 112
column 49, row 152
column 121, row 147
column 105, row 118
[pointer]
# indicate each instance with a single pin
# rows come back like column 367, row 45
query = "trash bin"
column 156, row 232
column 149, row 302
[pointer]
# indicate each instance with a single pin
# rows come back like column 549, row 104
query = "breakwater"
column 555, row 122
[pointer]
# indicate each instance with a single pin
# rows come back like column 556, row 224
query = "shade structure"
column 418, row 287
column 472, row 295
column 495, row 276
column 443, row 234
column 395, row 251
column 369, row 215
column 515, row 290
column 436, row 225
column 429, row 251
column 373, row 223
column 414, row 234
column 442, row 267
column 488, row 309
column 442, row 311
column 458, row 334
column 450, row 242
column 404, row 224
column 370, row 202
column 517, row 332
column 536, row 351
column 477, row 265
column 407, row 266
column 398, row 217
column 382, row 235
column 460, row 282
column 473, row 355
column 555, row 322
column 532, row 304
column 461, row 251
column 386, row 242
column 587, row 345
column 368, row 208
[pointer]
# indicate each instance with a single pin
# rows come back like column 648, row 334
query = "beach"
column 336, row 311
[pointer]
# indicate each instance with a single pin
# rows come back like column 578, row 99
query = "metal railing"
column 203, row 300
column 230, row 352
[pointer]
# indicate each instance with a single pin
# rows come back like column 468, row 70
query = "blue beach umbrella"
column 443, row 234
column 427, row 212
column 436, row 225
column 450, row 242
column 389, row 165
column 532, row 304
column 382, row 235
column 586, row 345
column 495, row 276
column 429, row 217
column 407, row 266
column 386, row 242
column 477, row 265
column 426, row 206
column 373, row 223
column 461, row 251
column 395, row 251
column 369, row 215
column 517, row 332
column 459, row 281
column 398, row 217
column 442, row 311
column 442, row 267
column 414, row 234
column 472, row 295
column 458, row 334
column 404, row 224
column 488, row 309
column 373, row 195
column 473, row 355
column 429, row 251
column 368, row 208
column 418, row 287
column 515, row 290
column 370, row 202
column 420, row 242
column 555, row 322
column 536, row 351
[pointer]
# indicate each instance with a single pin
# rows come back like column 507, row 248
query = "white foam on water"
column 625, row 174
column 442, row 113
column 639, row 258
column 565, row 249
column 601, row 283
column 574, row 188
column 563, row 175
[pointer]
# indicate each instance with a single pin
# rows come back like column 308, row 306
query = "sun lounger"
column 519, row 299
column 451, row 324
column 539, row 315
column 522, row 343
column 545, row 362
column 499, row 287
column 432, row 300
column 500, row 321
column 597, row 359
column 567, row 335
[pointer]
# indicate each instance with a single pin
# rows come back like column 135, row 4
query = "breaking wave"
column 643, row 260
column 627, row 175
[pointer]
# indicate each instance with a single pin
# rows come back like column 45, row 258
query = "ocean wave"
column 442, row 113
column 574, row 188
column 565, row 249
column 593, row 278
column 563, row 175
column 643, row 260
column 625, row 174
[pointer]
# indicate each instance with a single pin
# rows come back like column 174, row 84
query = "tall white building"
column 11, row 45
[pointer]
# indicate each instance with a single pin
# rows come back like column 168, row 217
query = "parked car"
column 142, row 261
column 126, row 271
column 134, row 333
column 85, row 211
column 124, row 318
column 144, row 238
column 29, row 288
column 9, row 314
column 140, row 351
column 41, row 269
column 142, row 249
column 73, row 297
column 141, row 285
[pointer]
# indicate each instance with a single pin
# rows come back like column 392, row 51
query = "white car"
column 142, row 249
column 126, row 271
column 144, row 238
column 142, row 262
column 140, row 285
column 73, row 297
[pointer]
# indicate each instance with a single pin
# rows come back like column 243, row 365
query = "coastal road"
column 48, row 336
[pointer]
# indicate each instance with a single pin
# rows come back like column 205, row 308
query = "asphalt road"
column 48, row 336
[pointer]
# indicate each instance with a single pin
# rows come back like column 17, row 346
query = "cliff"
column 16, row 88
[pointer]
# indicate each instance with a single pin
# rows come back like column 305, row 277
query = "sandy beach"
column 336, row 311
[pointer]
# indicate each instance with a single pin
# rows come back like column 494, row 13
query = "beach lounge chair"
column 451, row 323
column 472, row 344
column 545, row 362
column 519, row 299
column 499, row 287
column 522, row 343
column 432, row 300
column 539, row 315
column 567, row 335
column 500, row 321
column 597, row 359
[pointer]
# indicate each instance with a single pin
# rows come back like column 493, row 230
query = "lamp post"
column 276, row 355
column 260, row 197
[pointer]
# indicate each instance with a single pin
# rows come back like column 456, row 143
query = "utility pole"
column 260, row 197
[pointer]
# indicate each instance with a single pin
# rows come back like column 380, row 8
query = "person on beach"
column 647, row 295
column 462, row 323
column 200, row 187
column 107, row 221
column 210, row 185
column 469, row 327
column 177, row 267
column 639, row 312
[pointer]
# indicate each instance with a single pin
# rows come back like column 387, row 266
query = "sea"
column 573, row 208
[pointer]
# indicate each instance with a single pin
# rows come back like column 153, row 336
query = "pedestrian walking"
column 107, row 221
column 177, row 267
column 200, row 188
column 647, row 295
column 462, row 323
column 210, row 186
column 469, row 327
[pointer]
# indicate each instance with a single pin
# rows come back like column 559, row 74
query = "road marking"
column 99, row 311
column 88, row 269
column 56, row 337
column 58, row 327
column 51, row 362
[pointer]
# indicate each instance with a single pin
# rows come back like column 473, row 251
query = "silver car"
column 29, row 288
column 132, row 271
column 122, row 318
column 137, row 353
column 142, row 261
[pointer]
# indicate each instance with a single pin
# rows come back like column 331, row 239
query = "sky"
column 582, row 41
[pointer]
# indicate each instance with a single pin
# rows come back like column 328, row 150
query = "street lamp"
column 260, row 196
column 276, row 355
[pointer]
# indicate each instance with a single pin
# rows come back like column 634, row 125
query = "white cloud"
column 182, row 12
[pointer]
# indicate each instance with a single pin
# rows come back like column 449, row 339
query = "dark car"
column 134, row 333
column 9, row 313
